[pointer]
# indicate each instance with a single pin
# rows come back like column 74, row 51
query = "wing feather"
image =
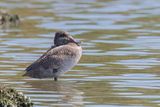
column 51, row 59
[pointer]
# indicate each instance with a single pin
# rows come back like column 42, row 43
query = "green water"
column 121, row 51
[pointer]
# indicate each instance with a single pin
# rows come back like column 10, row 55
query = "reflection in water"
column 61, row 93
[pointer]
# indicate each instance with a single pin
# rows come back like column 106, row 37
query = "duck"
column 63, row 55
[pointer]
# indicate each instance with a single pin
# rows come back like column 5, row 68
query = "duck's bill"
column 78, row 42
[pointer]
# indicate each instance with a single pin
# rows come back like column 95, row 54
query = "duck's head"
column 63, row 38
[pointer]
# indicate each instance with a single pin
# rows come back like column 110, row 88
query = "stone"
column 9, row 97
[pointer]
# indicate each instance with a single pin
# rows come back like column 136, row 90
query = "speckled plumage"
column 60, row 58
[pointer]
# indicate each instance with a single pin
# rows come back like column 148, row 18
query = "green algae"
column 9, row 97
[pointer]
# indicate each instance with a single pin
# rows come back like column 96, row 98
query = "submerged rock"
column 6, row 18
column 9, row 97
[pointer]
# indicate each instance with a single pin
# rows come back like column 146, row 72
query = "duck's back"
column 55, row 61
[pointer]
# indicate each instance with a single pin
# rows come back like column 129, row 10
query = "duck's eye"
column 63, row 40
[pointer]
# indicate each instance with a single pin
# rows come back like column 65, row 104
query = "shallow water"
column 121, row 51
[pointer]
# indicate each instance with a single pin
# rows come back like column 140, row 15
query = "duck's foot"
column 55, row 79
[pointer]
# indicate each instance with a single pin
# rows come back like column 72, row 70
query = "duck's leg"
column 55, row 78
column 55, row 71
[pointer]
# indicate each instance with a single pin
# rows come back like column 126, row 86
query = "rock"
column 6, row 18
column 9, row 97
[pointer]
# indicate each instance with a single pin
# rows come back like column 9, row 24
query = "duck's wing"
column 51, row 59
column 47, row 51
column 35, row 64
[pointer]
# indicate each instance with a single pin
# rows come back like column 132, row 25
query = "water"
column 121, row 51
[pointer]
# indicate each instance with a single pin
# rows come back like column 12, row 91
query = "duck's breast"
column 72, row 59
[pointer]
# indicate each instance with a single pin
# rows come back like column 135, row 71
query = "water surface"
column 121, row 51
